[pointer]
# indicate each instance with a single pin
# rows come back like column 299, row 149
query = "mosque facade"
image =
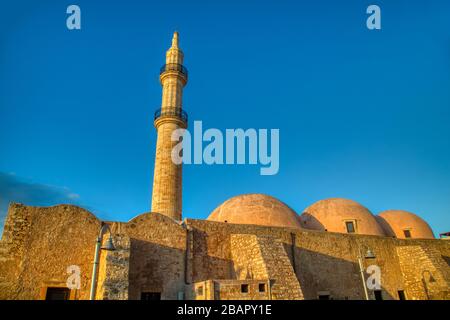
column 251, row 247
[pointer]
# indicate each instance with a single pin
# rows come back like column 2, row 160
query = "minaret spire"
column 175, row 40
column 167, row 195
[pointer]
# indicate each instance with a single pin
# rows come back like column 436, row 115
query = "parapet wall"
column 41, row 243
column 156, row 254
column 323, row 261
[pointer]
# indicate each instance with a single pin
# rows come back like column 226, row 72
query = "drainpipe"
column 361, row 270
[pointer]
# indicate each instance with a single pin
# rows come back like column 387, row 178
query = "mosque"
column 251, row 247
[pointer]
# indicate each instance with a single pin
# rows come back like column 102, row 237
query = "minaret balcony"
column 174, row 67
column 172, row 113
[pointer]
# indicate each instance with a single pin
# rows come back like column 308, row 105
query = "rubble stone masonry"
column 157, row 254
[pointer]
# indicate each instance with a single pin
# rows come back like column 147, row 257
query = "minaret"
column 166, row 197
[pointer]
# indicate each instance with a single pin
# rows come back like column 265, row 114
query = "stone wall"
column 203, row 290
column 39, row 244
column 247, row 260
column 12, row 249
column 113, row 272
column 211, row 250
column 228, row 290
column 265, row 258
column 43, row 243
column 426, row 274
column 157, row 255
column 232, row 290
column 284, row 282
column 323, row 261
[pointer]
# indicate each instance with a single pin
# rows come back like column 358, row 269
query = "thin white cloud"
column 16, row 189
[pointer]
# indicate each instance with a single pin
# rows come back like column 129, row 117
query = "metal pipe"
column 361, row 270
column 94, row 268
column 98, row 245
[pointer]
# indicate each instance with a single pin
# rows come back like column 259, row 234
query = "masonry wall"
column 211, row 250
column 323, row 262
column 12, row 250
column 113, row 283
column 247, row 259
column 228, row 290
column 264, row 258
column 425, row 273
column 157, row 255
column 328, row 262
column 41, row 243
column 232, row 290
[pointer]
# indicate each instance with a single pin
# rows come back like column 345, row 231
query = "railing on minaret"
column 167, row 179
column 174, row 67
column 171, row 112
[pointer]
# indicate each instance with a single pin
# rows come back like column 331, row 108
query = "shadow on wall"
column 205, row 266
column 446, row 259
column 159, row 269
column 322, row 275
column 155, row 269
column 385, row 226
column 308, row 221
column 318, row 274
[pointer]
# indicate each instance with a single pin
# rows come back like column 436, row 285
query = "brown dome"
column 256, row 209
column 404, row 224
column 340, row 215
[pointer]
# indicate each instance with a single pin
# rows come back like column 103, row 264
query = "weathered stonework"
column 159, row 255
column 167, row 184
column 40, row 244
column 425, row 272
column 114, row 269
column 157, row 258
column 264, row 258
column 268, row 255
column 323, row 261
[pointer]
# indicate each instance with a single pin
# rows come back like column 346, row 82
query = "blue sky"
column 362, row 114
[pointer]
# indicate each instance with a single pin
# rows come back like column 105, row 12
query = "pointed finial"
column 175, row 40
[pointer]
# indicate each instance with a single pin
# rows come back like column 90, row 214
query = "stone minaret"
column 166, row 197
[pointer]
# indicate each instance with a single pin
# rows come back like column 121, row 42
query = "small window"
column 324, row 297
column 401, row 295
column 147, row 296
column 57, row 293
column 262, row 287
column 407, row 233
column 244, row 288
column 378, row 295
column 200, row 291
column 350, row 225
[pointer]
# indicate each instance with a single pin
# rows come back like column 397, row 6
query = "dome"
column 256, row 209
column 340, row 215
column 404, row 224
